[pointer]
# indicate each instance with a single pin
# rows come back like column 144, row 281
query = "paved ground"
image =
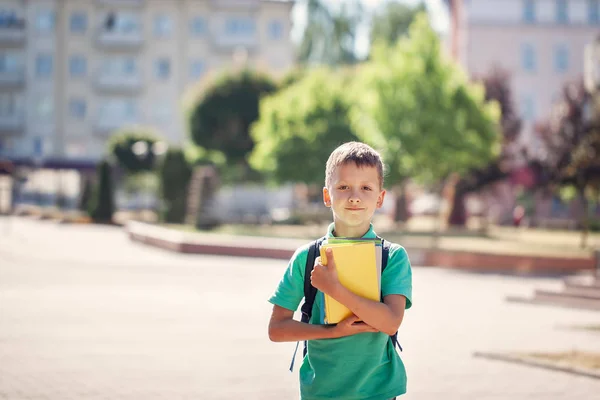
column 86, row 314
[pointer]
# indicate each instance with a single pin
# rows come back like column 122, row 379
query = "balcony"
column 124, row 84
column 12, row 123
column 104, row 125
column 12, row 35
column 119, row 40
column 237, row 4
column 12, row 79
column 228, row 42
column 125, row 3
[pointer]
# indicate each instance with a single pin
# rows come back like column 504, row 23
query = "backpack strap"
column 310, row 292
column 385, row 254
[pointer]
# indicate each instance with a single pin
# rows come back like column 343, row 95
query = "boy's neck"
column 350, row 231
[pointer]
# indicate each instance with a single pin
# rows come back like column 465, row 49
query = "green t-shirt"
column 365, row 366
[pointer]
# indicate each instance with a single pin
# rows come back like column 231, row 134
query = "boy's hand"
column 325, row 277
column 350, row 326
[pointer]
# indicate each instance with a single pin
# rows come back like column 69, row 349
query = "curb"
column 529, row 361
column 283, row 248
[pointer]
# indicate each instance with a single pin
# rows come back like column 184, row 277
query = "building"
column 541, row 42
column 74, row 71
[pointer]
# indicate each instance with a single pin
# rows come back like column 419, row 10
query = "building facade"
column 540, row 42
column 74, row 71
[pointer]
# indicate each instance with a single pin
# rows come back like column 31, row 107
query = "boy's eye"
column 343, row 187
column 366, row 187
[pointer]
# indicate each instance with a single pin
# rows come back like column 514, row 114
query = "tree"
column 121, row 145
column 392, row 22
column 300, row 126
column 220, row 119
column 420, row 108
column 330, row 35
column 571, row 144
column 102, row 204
column 175, row 175
column 497, row 89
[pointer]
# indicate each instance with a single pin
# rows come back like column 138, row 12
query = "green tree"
column 330, row 34
column 392, row 22
column 121, row 146
column 102, row 204
column 175, row 173
column 219, row 121
column 300, row 126
column 420, row 108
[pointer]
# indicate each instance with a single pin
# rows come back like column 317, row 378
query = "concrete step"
column 565, row 299
column 588, row 291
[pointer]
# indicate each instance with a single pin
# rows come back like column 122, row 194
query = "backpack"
column 310, row 292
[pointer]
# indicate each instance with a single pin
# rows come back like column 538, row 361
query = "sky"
column 437, row 12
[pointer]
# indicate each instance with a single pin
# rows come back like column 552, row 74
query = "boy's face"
column 353, row 195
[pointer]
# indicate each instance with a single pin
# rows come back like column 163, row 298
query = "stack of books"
column 358, row 264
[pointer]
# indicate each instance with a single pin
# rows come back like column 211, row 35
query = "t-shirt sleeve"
column 290, row 290
column 397, row 276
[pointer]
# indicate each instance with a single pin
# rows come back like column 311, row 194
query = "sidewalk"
column 472, row 259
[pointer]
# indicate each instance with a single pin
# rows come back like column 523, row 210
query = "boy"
column 351, row 360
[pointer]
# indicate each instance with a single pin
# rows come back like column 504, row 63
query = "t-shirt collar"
column 369, row 235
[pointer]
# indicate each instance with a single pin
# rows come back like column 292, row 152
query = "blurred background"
column 482, row 113
column 205, row 119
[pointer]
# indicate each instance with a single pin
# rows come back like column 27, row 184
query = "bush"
column 174, row 175
column 102, row 204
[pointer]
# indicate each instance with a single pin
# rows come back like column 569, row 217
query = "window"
column 44, row 21
column 7, row 104
column 162, row 68
column 198, row 26
column 117, row 67
column 529, row 11
column 43, row 65
column 78, row 22
column 275, row 30
column 122, row 22
column 593, row 12
column 197, row 68
column 9, row 19
column 77, row 108
column 44, row 107
column 528, row 108
column 9, row 63
column 163, row 26
column 38, row 146
column 562, row 11
column 240, row 27
column 122, row 110
column 77, row 66
column 528, row 61
column 561, row 58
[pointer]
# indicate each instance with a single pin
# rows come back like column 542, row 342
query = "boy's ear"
column 326, row 197
column 380, row 199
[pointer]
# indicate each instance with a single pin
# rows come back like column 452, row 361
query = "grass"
column 421, row 233
column 579, row 359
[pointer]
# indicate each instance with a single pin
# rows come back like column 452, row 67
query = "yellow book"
column 356, row 265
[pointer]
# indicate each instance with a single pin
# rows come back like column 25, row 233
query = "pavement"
column 85, row 313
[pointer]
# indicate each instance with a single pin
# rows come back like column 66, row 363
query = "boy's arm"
column 385, row 317
column 283, row 328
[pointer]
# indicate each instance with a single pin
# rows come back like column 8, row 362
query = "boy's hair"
column 359, row 153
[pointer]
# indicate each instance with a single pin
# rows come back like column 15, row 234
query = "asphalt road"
column 86, row 314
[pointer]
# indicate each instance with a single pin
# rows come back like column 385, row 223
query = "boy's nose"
column 354, row 198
